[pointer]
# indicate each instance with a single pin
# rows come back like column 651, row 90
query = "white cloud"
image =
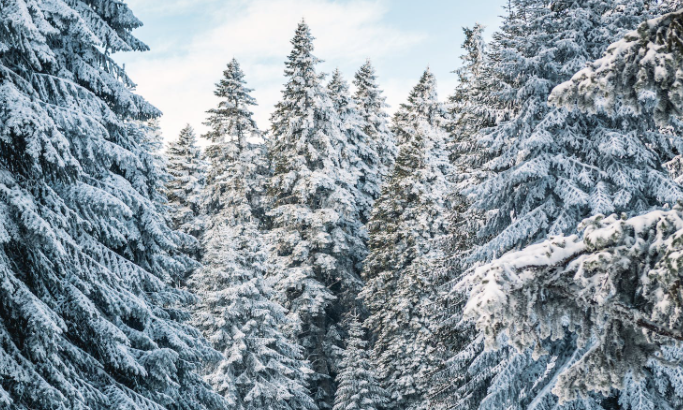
column 257, row 33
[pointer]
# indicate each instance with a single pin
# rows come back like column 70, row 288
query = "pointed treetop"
column 337, row 77
column 187, row 136
column 303, row 41
column 368, row 93
column 232, row 120
column 425, row 90
column 232, row 82
column 423, row 101
column 338, row 88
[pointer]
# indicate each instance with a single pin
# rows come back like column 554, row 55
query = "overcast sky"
column 192, row 40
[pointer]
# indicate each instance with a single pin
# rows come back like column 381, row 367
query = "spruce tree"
column 407, row 221
column 88, row 316
column 315, row 231
column 550, row 168
column 471, row 110
column 237, row 156
column 188, row 174
column 360, row 154
column 545, row 174
column 588, row 280
column 261, row 368
column 371, row 106
column 358, row 386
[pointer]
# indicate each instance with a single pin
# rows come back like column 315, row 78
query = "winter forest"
column 515, row 245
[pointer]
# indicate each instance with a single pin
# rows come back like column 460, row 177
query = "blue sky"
column 192, row 41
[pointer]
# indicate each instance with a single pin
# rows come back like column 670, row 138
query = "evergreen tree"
column 360, row 154
column 261, row 368
column 88, row 318
column 547, row 178
column 315, row 230
column 550, row 168
column 371, row 105
column 239, row 168
column 358, row 386
column 589, row 280
column 188, row 173
column 639, row 70
column 471, row 110
column 406, row 224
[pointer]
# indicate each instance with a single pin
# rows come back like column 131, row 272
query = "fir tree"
column 261, row 369
column 88, row 316
column 188, row 173
column 640, row 70
column 371, row 106
column 547, row 178
column 550, row 168
column 239, row 168
column 584, row 279
column 360, row 154
column 471, row 110
column 407, row 221
column 315, row 229
column 358, row 386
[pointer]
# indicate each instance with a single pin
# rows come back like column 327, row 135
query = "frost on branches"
column 543, row 176
column 235, row 183
column 188, row 173
column 407, row 221
column 642, row 70
column 358, row 386
column 361, row 156
column 88, row 319
column 261, row 368
column 371, row 105
column 542, row 182
column 314, row 219
column 617, row 285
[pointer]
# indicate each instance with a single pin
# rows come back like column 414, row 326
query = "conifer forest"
column 514, row 245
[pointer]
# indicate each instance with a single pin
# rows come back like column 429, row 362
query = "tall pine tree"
column 261, row 368
column 315, row 230
column 371, row 106
column 360, row 154
column 358, row 385
column 188, row 175
column 454, row 386
column 88, row 316
column 406, row 224
column 549, row 168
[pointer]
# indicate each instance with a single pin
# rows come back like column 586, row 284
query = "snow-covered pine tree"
column 358, row 388
column 371, row 106
column 262, row 368
column 552, row 167
column 88, row 319
column 454, row 386
column 640, row 70
column 188, row 175
column 315, row 230
column 542, row 181
column 407, row 221
column 239, row 168
column 615, row 282
column 360, row 152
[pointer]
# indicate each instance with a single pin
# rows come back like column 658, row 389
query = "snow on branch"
column 617, row 285
column 641, row 71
